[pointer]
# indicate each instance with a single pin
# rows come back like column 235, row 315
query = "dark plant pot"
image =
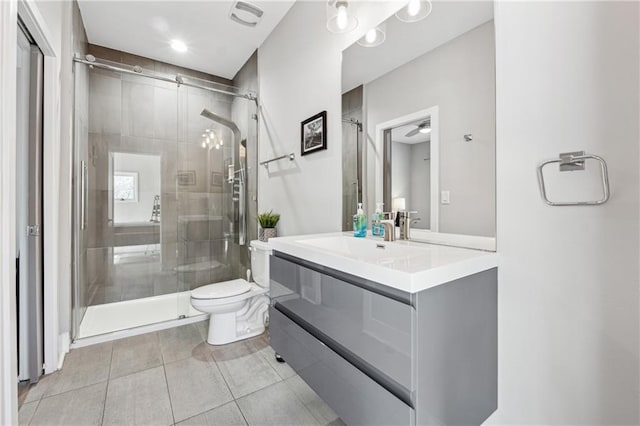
column 265, row 233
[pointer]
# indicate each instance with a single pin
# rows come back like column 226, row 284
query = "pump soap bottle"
column 360, row 223
column 377, row 229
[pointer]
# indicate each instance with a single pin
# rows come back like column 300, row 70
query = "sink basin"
column 367, row 250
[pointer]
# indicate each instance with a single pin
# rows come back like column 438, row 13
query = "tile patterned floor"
column 174, row 377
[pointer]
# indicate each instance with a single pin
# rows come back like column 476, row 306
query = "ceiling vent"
column 246, row 14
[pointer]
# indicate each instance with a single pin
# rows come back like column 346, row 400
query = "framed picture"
column 314, row 134
column 186, row 177
column 216, row 179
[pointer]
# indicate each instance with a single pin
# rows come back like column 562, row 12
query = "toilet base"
column 234, row 326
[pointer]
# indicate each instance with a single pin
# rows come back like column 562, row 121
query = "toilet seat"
column 221, row 290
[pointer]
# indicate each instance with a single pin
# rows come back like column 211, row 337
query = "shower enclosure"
column 164, row 188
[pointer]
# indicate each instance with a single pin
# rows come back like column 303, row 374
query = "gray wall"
column 421, row 184
column 459, row 77
column 401, row 172
column 411, row 179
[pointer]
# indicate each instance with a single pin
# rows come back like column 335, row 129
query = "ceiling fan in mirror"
column 422, row 127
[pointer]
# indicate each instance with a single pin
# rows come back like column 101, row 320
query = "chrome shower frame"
column 178, row 79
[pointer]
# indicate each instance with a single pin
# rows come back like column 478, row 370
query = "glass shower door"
column 125, row 240
column 212, row 187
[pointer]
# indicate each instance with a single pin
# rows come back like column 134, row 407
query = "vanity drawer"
column 355, row 397
column 373, row 328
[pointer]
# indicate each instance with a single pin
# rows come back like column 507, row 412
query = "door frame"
column 8, row 338
column 434, row 146
column 54, row 345
column 38, row 29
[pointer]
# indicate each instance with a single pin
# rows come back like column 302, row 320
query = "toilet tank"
column 260, row 252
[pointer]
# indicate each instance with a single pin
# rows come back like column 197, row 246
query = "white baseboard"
column 64, row 343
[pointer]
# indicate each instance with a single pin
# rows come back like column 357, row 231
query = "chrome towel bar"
column 575, row 161
column 266, row 162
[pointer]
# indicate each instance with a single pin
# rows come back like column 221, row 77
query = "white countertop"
column 404, row 265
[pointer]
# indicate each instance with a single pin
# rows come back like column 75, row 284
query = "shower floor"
column 130, row 314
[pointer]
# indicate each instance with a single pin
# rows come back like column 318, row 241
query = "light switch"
column 445, row 197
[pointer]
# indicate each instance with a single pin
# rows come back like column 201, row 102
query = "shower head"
column 221, row 120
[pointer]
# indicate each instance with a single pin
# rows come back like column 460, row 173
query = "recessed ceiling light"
column 425, row 130
column 178, row 45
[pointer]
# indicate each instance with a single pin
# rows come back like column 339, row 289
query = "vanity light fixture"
column 339, row 18
column 374, row 37
column 178, row 45
column 414, row 11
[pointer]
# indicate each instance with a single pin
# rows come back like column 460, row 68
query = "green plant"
column 269, row 219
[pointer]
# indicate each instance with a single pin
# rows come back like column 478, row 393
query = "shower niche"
column 165, row 182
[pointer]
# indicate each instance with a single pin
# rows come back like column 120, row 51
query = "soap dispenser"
column 377, row 229
column 360, row 223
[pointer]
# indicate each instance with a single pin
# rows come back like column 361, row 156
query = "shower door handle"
column 242, row 225
column 83, row 195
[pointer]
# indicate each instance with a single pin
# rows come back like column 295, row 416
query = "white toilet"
column 238, row 308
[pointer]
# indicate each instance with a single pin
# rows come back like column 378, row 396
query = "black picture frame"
column 186, row 177
column 313, row 134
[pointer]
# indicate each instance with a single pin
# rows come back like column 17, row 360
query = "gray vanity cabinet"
column 378, row 355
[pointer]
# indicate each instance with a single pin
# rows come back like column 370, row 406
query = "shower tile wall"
column 140, row 115
column 351, row 109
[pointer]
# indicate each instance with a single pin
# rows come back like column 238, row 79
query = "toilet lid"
column 221, row 290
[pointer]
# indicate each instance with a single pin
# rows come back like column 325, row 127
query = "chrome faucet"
column 389, row 225
column 404, row 219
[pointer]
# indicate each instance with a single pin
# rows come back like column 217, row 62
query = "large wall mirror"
column 418, row 113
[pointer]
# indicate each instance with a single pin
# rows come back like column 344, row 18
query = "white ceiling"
column 404, row 42
column 398, row 134
column 217, row 45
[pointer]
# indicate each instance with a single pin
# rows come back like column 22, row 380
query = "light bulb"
column 217, row 146
column 371, row 35
column 178, row 45
column 425, row 130
column 204, row 144
column 413, row 8
column 341, row 20
column 221, row 141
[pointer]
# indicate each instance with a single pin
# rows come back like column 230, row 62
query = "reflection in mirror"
column 136, row 188
column 426, row 101
column 411, row 169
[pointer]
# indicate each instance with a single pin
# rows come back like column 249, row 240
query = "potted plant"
column 268, row 222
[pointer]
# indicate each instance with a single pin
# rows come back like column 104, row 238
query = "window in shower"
column 125, row 187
